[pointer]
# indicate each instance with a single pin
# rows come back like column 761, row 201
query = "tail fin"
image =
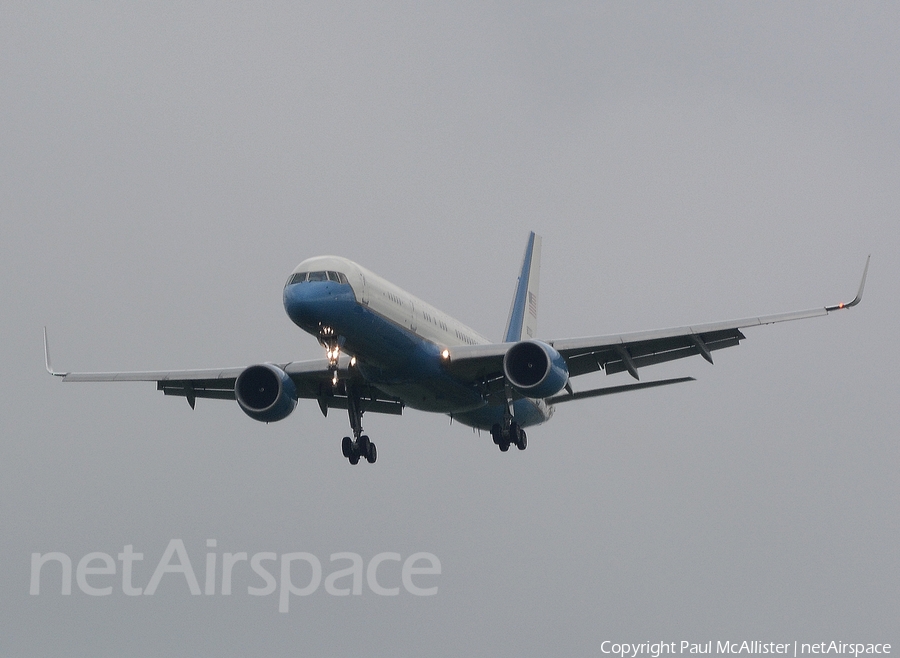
column 522, row 322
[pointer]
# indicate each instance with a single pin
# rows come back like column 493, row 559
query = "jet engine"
column 265, row 392
column 535, row 369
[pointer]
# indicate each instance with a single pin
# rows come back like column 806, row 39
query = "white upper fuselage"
column 395, row 304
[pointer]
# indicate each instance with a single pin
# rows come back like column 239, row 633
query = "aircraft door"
column 364, row 290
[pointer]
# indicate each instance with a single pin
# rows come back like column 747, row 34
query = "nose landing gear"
column 332, row 344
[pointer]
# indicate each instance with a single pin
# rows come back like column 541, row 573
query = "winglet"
column 859, row 294
column 47, row 358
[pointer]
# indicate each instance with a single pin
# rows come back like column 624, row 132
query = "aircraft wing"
column 630, row 351
column 313, row 380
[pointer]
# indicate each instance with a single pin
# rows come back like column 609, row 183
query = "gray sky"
column 163, row 168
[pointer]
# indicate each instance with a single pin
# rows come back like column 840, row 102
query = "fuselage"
column 397, row 340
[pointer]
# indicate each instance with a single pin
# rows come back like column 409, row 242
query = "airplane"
column 386, row 350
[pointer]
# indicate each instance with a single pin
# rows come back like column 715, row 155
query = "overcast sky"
column 163, row 168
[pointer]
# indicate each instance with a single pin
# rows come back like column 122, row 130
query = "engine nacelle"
column 535, row 369
column 265, row 392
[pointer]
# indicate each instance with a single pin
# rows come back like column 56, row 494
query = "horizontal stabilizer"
column 609, row 390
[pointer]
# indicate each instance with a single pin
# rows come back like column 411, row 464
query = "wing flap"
column 374, row 403
column 650, row 352
column 224, row 390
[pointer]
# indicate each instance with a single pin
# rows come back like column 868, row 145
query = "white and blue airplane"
column 386, row 350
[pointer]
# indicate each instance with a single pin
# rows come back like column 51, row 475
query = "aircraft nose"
column 302, row 301
column 312, row 303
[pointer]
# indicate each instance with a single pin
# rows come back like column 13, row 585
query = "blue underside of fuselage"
column 394, row 358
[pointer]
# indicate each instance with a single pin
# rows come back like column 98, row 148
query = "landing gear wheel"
column 522, row 441
column 504, row 446
column 347, row 447
column 354, row 459
column 496, row 433
column 363, row 446
column 371, row 454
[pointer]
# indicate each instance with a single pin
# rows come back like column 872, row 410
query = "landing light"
column 445, row 355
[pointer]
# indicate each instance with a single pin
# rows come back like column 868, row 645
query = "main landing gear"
column 355, row 450
column 359, row 447
column 511, row 434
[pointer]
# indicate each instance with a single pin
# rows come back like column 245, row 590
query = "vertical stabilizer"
column 522, row 322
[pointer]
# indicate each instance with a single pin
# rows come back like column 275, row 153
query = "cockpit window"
column 300, row 277
column 337, row 277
